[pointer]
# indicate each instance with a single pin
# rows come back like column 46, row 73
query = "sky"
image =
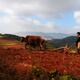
column 52, row 16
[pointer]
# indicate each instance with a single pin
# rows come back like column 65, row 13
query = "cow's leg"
column 37, row 45
column 25, row 45
column 32, row 44
column 41, row 46
column 78, row 50
column 44, row 46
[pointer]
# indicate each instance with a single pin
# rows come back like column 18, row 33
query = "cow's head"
column 22, row 39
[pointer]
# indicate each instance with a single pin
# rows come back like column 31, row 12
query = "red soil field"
column 16, row 57
column 6, row 39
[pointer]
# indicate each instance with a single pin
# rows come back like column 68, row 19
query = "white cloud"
column 38, row 26
column 77, row 16
column 37, row 22
column 76, row 27
column 44, row 8
column 47, row 27
column 17, row 14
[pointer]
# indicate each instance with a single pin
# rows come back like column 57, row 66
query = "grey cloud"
column 44, row 8
column 47, row 9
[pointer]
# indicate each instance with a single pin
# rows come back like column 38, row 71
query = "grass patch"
column 7, row 43
column 1, row 36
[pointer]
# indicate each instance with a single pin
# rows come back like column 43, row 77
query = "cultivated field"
column 14, row 57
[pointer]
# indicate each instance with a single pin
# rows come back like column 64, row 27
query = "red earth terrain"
column 15, row 56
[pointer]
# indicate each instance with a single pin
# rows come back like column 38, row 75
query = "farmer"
column 78, row 42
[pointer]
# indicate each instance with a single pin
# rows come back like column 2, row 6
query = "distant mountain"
column 47, row 36
column 70, row 41
column 10, row 36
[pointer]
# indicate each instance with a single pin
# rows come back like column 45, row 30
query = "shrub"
column 54, row 75
column 67, row 77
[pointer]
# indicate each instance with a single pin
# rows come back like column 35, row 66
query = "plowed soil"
column 15, row 56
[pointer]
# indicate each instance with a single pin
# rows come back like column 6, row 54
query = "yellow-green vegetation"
column 7, row 43
column 1, row 36
column 49, row 45
column 68, row 77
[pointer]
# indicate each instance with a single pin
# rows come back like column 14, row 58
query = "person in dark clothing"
column 78, row 42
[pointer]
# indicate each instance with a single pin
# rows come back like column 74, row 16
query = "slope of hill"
column 65, row 41
column 10, row 36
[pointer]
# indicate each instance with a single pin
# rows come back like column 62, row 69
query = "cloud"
column 36, row 25
column 76, row 27
column 18, row 14
column 48, row 27
column 44, row 8
column 77, row 17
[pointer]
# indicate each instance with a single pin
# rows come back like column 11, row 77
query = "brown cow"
column 34, row 41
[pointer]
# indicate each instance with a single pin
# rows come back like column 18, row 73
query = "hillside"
column 10, row 36
column 70, row 41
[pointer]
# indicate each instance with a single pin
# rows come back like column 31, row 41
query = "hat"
column 78, row 33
